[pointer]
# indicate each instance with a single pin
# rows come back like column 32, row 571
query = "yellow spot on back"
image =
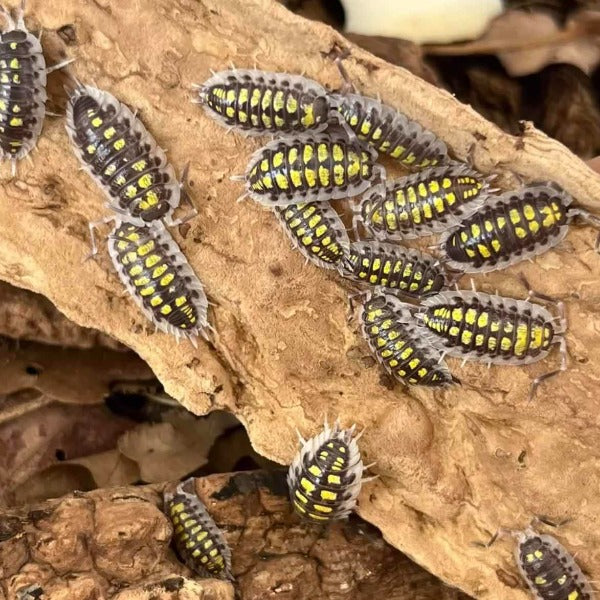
column 328, row 495
column 307, row 485
column 308, row 119
column 145, row 248
column 145, row 181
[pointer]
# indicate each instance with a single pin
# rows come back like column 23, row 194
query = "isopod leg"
column 186, row 197
column 546, row 376
column 10, row 22
column 352, row 303
column 537, row 519
column 92, row 227
column 500, row 533
column 338, row 55
column 339, row 120
column 59, row 65
column 591, row 219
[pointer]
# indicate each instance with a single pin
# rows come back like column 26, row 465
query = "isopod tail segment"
column 560, row 333
column 547, row 568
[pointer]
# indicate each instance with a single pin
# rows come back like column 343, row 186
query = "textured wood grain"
column 115, row 544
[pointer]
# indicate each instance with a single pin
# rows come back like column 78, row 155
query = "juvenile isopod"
column 199, row 542
column 261, row 102
column 512, row 227
column 309, row 168
column 23, row 95
column 326, row 475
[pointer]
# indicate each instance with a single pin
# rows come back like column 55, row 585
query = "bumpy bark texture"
column 454, row 466
column 119, row 538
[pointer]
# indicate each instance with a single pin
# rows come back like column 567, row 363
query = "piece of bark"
column 28, row 316
column 283, row 354
column 116, row 541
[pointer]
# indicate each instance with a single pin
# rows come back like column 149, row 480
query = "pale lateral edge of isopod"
column 183, row 269
column 105, row 99
column 220, row 78
column 497, row 303
column 506, row 261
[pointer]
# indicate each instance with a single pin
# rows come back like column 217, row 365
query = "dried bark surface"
column 28, row 316
column 454, row 466
column 115, row 543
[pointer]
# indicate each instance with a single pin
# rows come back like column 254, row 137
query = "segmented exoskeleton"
column 390, row 131
column 494, row 329
column 22, row 88
column 513, row 227
column 159, row 279
column 316, row 230
column 401, row 269
column 549, row 570
column 325, row 477
column 122, row 157
column 423, row 203
column 260, row 102
column 309, row 168
column 397, row 343
column 199, row 542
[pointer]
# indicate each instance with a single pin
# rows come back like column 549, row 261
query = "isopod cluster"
column 125, row 161
column 326, row 147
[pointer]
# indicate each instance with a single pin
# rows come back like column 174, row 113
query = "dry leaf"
column 53, row 482
column 176, row 447
column 41, row 437
column 110, row 469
